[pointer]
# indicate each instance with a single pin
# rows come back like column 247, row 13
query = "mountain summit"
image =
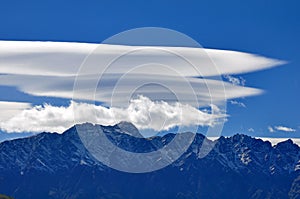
column 129, row 128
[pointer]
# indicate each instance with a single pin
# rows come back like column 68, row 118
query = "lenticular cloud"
column 55, row 69
column 65, row 59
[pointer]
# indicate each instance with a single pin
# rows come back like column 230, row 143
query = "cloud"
column 142, row 112
column 251, row 130
column 284, row 128
column 271, row 130
column 117, row 90
column 175, row 77
column 9, row 109
column 65, row 59
column 51, row 68
column 240, row 104
column 281, row 128
column 235, row 80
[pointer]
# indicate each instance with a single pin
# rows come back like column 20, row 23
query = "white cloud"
column 142, row 112
column 9, row 109
column 251, row 130
column 240, row 104
column 119, row 91
column 281, row 128
column 235, row 80
column 271, row 130
column 65, row 58
column 284, row 128
column 50, row 69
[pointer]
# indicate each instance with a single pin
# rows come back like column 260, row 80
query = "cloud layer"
column 52, row 68
column 142, row 112
column 170, row 78
column 116, row 90
column 9, row 109
column 65, row 59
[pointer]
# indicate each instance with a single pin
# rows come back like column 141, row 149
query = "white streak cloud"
column 240, row 104
column 284, row 128
column 280, row 128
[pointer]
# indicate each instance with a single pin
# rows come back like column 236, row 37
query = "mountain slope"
column 59, row 166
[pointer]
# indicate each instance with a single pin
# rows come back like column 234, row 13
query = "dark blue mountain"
column 10, row 136
column 59, row 166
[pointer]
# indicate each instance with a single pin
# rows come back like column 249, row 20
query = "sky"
column 266, row 28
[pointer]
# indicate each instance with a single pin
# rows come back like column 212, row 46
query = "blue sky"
column 268, row 28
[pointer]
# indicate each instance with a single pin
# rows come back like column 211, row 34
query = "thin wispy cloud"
column 271, row 130
column 240, row 104
column 280, row 128
column 251, row 130
column 284, row 128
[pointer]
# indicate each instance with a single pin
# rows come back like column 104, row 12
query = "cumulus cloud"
column 142, row 112
column 235, row 80
column 9, row 109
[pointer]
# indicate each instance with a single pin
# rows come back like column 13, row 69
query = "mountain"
column 59, row 166
column 5, row 197
column 10, row 136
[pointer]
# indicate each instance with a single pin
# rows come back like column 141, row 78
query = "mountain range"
column 51, row 165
